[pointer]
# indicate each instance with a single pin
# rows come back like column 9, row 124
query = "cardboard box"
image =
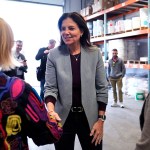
column 107, row 4
column 88, row 11
column 82, row 12
column 98, row 6
column 116, row 2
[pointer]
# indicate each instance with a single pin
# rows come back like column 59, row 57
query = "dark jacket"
column 43, row 57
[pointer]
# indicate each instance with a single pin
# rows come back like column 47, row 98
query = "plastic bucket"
column 139, row 95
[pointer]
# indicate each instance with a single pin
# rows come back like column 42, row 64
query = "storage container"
column 139, row 95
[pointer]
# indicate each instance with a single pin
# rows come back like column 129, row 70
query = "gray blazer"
column 59, row 81
column 144, row 141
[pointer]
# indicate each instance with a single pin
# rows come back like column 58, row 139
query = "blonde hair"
column 6, row 44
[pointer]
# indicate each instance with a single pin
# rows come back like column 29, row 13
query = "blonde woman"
column 22, row 112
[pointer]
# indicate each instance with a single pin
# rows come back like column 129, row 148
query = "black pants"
column 76, row 123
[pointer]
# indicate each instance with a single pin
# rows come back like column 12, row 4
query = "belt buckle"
column 77, row 109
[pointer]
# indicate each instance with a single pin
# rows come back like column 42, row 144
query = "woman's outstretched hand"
column 97, row 132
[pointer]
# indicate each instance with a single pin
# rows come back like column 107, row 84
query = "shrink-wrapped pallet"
column 90, row 27
column 144, row 17
column 100, row 28
column 119, row 27
column 128, row 24
column 136, row 24
column 111, row 27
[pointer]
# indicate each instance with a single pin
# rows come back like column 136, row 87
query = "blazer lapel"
column 66, row 64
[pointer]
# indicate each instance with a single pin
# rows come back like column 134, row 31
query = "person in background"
column 76, row 88
column 22, row 113
column 116, row 71
column 144, row 141
column 42, row 55
column 21, row 59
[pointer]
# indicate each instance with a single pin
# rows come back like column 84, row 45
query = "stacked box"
column 136, row 24
column 88, row 10
column 119, row 27
column 116, row 2
column 100, row 28
column 97, row 6
column 128, row 24
column 82, row 12
column 144, row 17
column 90, row 27
column 111, row 27
column 107, row 4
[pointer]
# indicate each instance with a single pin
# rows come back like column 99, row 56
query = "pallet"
column 110, row 33
column 136, row 29
column 136, row 62
column 128, row 31
column 143, row 28
column 120, row 32
column 97, row 36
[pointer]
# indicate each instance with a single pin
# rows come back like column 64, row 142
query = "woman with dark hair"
column 79, row 20
column 76, row 87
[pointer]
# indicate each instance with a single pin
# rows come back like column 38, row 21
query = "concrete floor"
column 121, row 130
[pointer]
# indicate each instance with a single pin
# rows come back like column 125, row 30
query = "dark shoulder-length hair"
column 79, row 20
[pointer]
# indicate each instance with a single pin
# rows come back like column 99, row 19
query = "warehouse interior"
column 121, row 24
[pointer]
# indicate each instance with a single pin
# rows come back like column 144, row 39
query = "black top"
column 76, row 79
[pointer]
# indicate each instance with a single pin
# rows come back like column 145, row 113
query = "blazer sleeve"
column 51, row 88
column 101, row 82
column 144, row 141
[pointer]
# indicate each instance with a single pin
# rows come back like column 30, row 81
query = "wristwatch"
column 102, row 117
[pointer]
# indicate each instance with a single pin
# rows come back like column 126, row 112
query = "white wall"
column 34, row 24
column 72, row 5
column 76, row 5
column 53, row 2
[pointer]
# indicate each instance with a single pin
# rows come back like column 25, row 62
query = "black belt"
column 77, row 109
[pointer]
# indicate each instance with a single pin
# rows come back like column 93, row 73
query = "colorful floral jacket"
column 22, row 114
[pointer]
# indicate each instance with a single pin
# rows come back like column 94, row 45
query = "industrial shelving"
column 117, row 11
